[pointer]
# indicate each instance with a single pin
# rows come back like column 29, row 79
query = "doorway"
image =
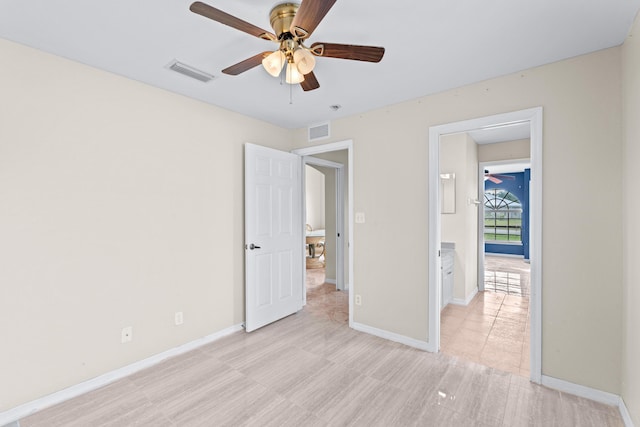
column 488, row 322
column 533, row 120
column 336, row 161
column 325, row 295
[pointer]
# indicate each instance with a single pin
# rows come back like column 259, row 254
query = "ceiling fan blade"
column 310, row 82
column 308, row 16
column 494, row 179
column 230, row 20
column 245, row 65
column 348, row 51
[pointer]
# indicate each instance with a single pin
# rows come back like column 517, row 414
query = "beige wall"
column 582, row 266
column 315, row 197
column 510, row 150
column 117, row 210
column 631, row 227
column 120, row 204
column 459, row 155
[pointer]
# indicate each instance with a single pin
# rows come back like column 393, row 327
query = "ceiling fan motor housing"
column 281, row 17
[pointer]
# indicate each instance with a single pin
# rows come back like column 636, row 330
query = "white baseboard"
column 411, row 342
column 497, row 254
column 26, row 409
column 465, row 302
column 331, row 281
column 624, row 412
column 590, row 393
column 581, row 391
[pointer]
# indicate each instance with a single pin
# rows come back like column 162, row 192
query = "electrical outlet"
column 360, row 218
column 127, row 334
column 358, row 300
column 178, row 318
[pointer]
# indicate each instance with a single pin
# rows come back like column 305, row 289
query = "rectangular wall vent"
column 190, row 71
column 320, row 131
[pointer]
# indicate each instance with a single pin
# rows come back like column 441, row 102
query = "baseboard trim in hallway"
column 26, row 409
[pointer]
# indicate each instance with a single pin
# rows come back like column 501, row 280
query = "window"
column 502, row 216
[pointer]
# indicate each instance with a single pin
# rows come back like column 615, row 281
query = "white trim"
column 29, row 408
column 501, row 255
column 503, row 242
column 481, row 241
column 534, row 117
column 411, row 342
column 310, row 160
column 591, row 394
column 580, row 390
column 324, row 148
column 624, row 413
column 331, row 281
column 337, row 146
column 466, row 301
column 535, row 245
column 435, row 241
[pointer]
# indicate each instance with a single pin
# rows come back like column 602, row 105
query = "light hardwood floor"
column 306, row 370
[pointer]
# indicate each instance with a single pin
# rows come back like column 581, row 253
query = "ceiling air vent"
column 317, row 132
column 189, row 71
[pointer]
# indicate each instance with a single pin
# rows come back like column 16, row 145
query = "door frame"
column 326, row 148
column 338, row 169
column 534, row 117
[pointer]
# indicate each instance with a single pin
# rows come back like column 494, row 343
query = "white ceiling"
column 501, row 133
column 430, row 46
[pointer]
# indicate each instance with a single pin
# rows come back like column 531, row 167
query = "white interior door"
column 274, row 248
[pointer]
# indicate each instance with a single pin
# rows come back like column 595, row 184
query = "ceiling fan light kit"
column 304, row 60
column 293, row 76
column 274, row 63
column 292, row 24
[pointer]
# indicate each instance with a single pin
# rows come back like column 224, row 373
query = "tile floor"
column 323, row 300
column 493, row 329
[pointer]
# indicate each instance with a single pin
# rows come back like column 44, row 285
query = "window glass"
column 502, row 216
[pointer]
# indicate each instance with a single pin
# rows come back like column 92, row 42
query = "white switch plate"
column 359, row 217
column 179, row 319
column 127, row 334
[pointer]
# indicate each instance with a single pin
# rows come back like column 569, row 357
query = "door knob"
column 252, row 246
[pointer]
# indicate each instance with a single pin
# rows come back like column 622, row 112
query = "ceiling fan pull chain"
column 290, row 94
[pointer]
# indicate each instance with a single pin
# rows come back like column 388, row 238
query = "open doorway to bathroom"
column 490, row 323
column 488, row 306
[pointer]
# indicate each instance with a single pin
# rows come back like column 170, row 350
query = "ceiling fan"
column 293, row 24
column 497, row 178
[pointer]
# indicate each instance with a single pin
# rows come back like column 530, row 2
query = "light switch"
column 359, row 217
